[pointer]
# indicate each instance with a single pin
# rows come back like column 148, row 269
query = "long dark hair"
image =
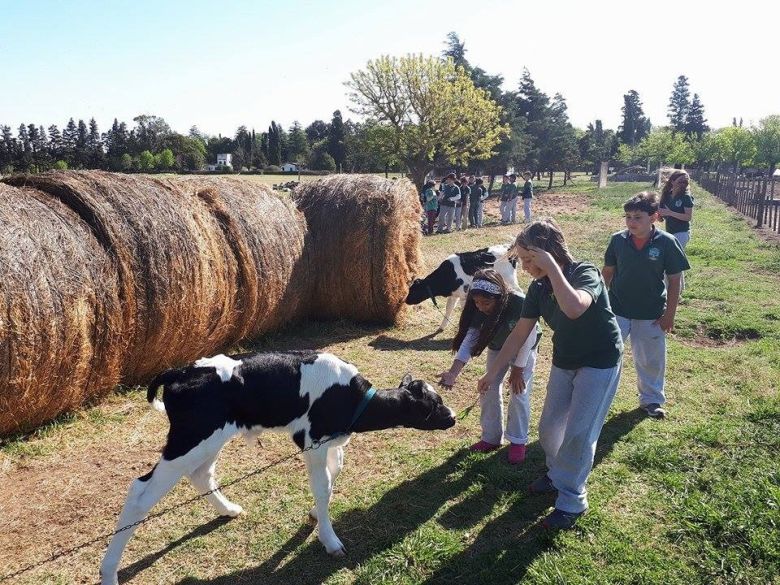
column 666, row 193
column 470, row 311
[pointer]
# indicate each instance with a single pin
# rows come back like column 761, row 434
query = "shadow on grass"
column 424, row 343
column 142, row 564
column 501, row 553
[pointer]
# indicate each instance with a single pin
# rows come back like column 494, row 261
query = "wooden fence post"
column 761, row 201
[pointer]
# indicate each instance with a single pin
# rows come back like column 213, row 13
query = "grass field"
column 693, row 499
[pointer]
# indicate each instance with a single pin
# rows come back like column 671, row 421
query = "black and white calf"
column 313, row 396
column 452, row 279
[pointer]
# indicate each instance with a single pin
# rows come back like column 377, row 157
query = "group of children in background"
column 459, row 202
column 591, row 317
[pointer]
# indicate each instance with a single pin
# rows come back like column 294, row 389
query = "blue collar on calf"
column 362, row 406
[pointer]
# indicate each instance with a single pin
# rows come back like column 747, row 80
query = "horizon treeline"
column 541, row 138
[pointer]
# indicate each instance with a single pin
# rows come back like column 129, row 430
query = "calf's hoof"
column 232, row 510
column 339, row 552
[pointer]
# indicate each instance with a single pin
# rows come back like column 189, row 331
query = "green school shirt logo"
column 654, row 253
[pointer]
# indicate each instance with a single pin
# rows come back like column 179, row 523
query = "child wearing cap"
column 587, row 347
column 637, row 262
column 490, row 313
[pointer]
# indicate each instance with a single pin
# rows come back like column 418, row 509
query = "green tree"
column 7, row 150
column 679, row 104
column 146, row 161
column 597, row 145
column 150, row 131
column 69, row 137
column 706, row 150
column 316, row 131
column 635, row 125
column 24, row 154
column 666, row 146
column 60, row 165
column 298, row 144
column 336, row 137
column 695, row 122
column 627, row 154
column 737, row 146
column 116, row 145
column 95, row 153
column 165, row 159
column 55, row 143
column 432, row 107
column 321, row 160
column 767, row 138
column 274, row 144
column 126, row 162
column 80, row 152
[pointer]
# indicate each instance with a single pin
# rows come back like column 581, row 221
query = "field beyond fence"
column 757, row 198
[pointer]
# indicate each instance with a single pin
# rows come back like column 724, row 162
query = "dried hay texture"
column 109, row 277
column 265, row 233
column 363, row 247
column 61, row 327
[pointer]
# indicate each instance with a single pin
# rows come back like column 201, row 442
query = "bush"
column 60, row 165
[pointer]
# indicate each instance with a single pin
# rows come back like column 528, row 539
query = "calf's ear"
column 406, row 380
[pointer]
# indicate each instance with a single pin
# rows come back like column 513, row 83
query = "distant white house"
column 289, row 167
column 223, row 160
column 776, row 173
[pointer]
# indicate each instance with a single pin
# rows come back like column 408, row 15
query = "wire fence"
column 754, row 197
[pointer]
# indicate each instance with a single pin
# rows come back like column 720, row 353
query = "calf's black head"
column 423, row 408
column 441, row 283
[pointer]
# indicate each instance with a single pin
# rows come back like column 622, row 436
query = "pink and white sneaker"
column 483, row 447
column 516, row 453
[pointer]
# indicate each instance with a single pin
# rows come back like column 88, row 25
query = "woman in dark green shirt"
column 587, row 347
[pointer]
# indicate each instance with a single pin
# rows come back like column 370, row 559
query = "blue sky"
column 218, row 65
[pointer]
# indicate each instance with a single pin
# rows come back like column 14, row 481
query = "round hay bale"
column 363, row 245
column 175, row 271
column 266, row 234
column 61, row 322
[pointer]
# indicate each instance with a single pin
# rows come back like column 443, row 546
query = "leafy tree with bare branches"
column 431, row 107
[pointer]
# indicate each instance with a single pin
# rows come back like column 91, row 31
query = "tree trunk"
column 490, row 184
column 551, row 181
column 418, row 171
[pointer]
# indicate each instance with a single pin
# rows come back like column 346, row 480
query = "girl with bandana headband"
column 490, row 313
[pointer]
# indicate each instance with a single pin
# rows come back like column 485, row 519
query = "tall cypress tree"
column 55, row 143
column 695, row 122
column 69, row 137
column 7, row 149
column 679, row 104
column 81, row 154
column 95, row 153
column 274, row 144
column 336, row 140
column 635, row 125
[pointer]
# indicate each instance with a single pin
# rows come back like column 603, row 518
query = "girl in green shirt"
column 587, row 348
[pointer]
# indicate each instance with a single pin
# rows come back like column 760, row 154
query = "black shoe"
column 654, row 410
column 542, row 485
column 560, row 520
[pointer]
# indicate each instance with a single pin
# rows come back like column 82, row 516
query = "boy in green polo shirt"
column 635, row 263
